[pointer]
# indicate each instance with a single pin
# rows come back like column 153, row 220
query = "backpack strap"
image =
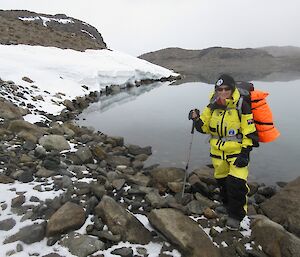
column 239, row 106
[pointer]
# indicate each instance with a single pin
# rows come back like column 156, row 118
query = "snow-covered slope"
column 65, row 71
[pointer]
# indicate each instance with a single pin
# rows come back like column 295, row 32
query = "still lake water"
column 156, row 115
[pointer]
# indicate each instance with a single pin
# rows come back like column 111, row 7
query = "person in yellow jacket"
column 233, row 135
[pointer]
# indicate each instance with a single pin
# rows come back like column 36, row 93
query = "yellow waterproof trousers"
column 232, row 181
column 223, row 168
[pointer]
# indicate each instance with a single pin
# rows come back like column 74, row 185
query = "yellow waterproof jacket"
column 230, row 130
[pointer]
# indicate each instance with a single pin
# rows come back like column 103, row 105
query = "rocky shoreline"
column 102, row 194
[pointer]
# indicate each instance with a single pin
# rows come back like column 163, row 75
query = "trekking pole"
column 188, row 159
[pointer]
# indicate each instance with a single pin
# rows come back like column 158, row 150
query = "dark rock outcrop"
column 284, row 207
column 82, row 245
column 184, row 232
column 26, row 130
column 29, row 234
column 163, row 176
column 121, row 222
column 274, row 239
column 69, row 217
column 54, row 142
column 30, row 28
column 10, row 111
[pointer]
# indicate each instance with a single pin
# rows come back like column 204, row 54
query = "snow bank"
column 66, row 71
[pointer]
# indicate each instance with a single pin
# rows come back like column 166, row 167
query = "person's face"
column 224, row 92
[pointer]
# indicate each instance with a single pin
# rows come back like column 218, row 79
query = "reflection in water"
column 159, row 118
column 269, row 77
column 107, row 102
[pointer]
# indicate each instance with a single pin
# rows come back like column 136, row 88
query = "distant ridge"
column 244, row 64
column 278, row 51
column 30, row 28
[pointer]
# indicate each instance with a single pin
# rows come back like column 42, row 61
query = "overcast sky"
column 140, row 26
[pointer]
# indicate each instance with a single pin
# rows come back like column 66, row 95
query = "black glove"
column 243, row 158
column 191, row 112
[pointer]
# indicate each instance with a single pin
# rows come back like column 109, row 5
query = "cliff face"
column 30, row 28
column 205, row 65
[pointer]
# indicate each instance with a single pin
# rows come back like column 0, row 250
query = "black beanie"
column 227, row 80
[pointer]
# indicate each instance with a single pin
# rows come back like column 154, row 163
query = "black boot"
column 223, row 190
column 237, row 197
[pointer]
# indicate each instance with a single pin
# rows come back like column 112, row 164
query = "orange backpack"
column 262, row 114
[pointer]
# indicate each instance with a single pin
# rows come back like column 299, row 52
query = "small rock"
column 98, row 190
column 68, row 217
column 29, row 234
column 91, row 204
column 139, row 179
column 137, row 165
column 45, row 173
column 124, row 252
column 52, row 160
column 137, row 150
column 195, row 207
column 19, row 248
column 155, row 199
column 115, row 161
column 25, row 158
column 99, row 152
column 281, row 184
column 141, row 157
column 118, row 183
column 29, row 145
column 7, row 224
column 66, row 181
column 142, row 251
column 106, row 235
column 259, row 198
column 201, row 187
column 119, row 140
column 40, row 152
column 175, row 187
column 82, row 245
column 54, row 142
column 209, row 213
column 10, row 253
column 53, row 255
column 17, row 201
column 5, row 179
column 52, row 240
column 23, row 175
column 267, row 191
column 85, row 155
column 205, row 201
column 27, row 79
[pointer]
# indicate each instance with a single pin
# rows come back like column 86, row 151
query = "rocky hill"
column 30, row 28
column 244, row 64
